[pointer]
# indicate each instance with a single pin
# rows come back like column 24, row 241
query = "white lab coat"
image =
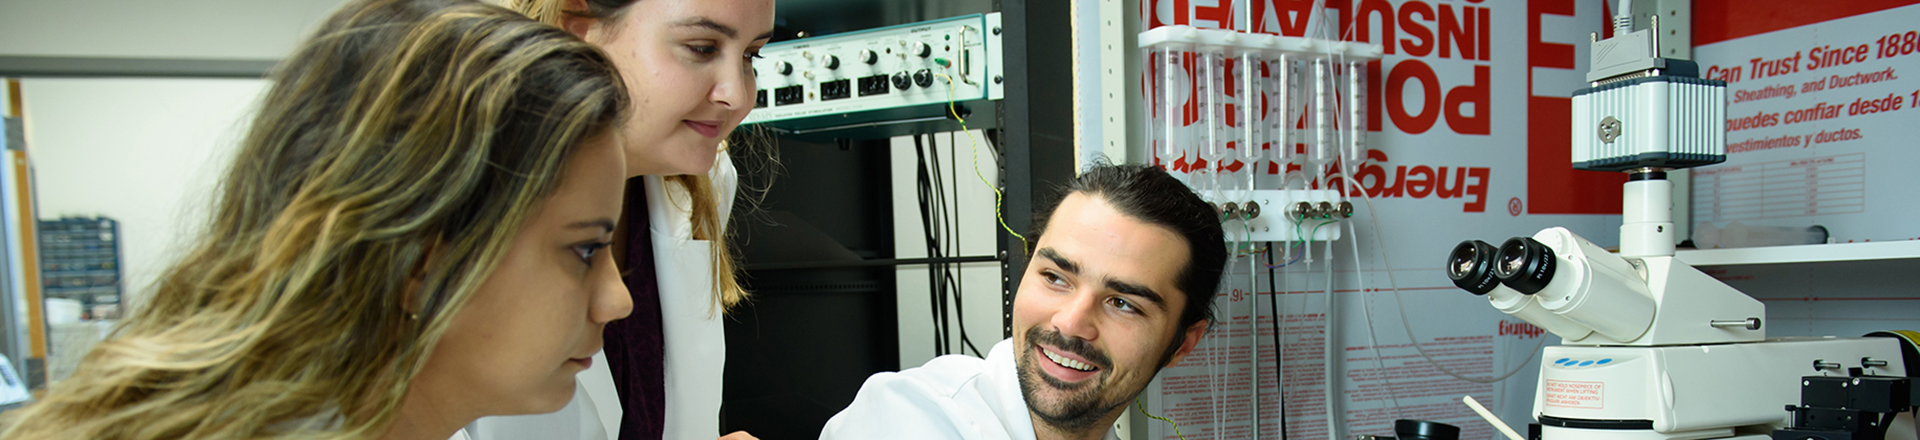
column 951, row 397
column 695, row 340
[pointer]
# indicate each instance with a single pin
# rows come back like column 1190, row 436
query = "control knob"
column 902, row 81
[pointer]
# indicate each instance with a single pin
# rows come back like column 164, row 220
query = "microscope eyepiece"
column 1471, row 267
column 1525, row 264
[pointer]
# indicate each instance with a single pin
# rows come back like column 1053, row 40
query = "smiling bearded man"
column 1120, row 285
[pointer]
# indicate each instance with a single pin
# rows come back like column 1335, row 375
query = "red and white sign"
column 1820, row 115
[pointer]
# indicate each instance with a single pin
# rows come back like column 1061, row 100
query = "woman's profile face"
column 537, row 319
column 687, row 63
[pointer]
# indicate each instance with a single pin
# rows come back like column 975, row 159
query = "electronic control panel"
column 894, row 67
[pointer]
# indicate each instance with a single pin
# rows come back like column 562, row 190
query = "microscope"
column 1654, row 348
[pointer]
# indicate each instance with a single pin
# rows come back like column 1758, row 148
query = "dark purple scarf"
column 636, row 352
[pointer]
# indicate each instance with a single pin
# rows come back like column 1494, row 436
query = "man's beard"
column 1077, row 412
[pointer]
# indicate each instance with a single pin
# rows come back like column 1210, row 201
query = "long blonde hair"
column 704, row 209
column 399, row 151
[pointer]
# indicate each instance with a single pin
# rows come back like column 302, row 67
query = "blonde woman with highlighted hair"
column 412, row 237
column 688, row 66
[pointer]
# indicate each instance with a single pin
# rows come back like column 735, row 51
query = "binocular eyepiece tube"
column 1473, row 267
column 1558, row 281
column 1522, row 263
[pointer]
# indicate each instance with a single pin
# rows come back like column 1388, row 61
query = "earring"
column 413, row 316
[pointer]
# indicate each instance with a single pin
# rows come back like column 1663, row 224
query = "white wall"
column 146, row 152
column 232, row 29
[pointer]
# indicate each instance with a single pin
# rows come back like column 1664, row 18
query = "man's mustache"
column 1036, row 336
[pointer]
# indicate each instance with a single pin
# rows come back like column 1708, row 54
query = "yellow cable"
column 975, row 144
column 1143, row 410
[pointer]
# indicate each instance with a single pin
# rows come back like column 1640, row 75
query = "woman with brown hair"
column 688, row 65
column 411, row 237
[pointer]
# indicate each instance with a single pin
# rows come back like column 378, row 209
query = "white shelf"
column 1812, row 253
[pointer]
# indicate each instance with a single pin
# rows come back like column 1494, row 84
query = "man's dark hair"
column 1147, row 193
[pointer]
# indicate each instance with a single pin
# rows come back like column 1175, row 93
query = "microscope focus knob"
column 1751, row 323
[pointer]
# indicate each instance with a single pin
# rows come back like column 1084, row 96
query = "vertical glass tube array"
column 1228, row 107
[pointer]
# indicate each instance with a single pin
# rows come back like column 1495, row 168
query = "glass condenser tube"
column 1210, row 148
column 1324, row 148
column 1280, row 121
column 1356, row 116
column 1158, row 114
column 1250, row 124
column 1171, row 141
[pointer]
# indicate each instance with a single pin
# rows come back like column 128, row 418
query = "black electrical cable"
column 949, row 206
column 924, row 189
column 1279, row 351
column 940, row 220
column 944, row 224
column 937, row 273
column 960, row 281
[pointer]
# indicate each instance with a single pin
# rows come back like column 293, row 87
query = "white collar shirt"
column 951, row 397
